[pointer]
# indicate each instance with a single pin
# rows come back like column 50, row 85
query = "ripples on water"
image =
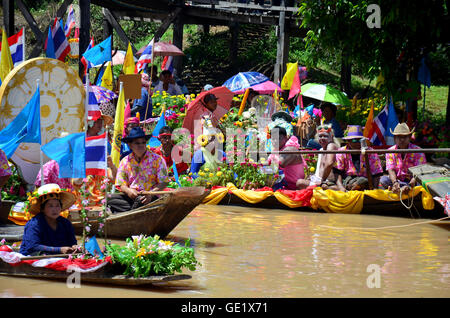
column 248, row 252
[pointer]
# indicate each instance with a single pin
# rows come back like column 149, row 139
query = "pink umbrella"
column 119, row 57
column 267, row 87
column 196, row 108
column 163, row 49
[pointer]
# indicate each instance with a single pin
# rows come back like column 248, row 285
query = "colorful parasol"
column 244, row 80
column 103, row 94
column 325, row 93
column 196, row 107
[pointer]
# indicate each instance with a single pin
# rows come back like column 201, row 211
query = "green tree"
column 408, row 30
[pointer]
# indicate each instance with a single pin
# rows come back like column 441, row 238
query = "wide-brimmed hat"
column 402, row 130
column 282, row 114
column 353, row 131
column 136, row 133
column 48, row 192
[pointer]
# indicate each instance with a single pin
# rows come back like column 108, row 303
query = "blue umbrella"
column 244, row 80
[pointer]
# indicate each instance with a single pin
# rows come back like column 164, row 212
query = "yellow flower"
column 312, row 169
column 141, row 252
column 211, row 174
column 220, row 138
column 206, row 169
column 168, row 243
column 201, row 174
column 202, row 140
column 219, row 173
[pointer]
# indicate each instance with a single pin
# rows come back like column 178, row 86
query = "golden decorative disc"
column 62, row 100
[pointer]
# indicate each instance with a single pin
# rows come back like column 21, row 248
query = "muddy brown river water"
column 248, row 252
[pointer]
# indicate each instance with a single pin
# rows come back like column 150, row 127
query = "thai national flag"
column 145, row 58
column 85, row 62
column 96, row 155
column 92, row 109
column 70, row 23
column 17, row 47
column 60, row 43
column 385, row 120
column 167, row 64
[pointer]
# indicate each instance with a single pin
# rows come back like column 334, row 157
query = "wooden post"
column 281, row 45
column 111, row 17
column 107, row 28
column 85, row 27
column 178, row 42
column 8, row 16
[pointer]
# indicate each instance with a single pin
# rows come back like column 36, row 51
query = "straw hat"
column 353, row 131
column 48, row 192
column 401, row 130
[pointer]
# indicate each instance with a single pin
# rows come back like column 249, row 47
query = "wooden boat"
column 105, row 275
column 371, row 206
column 158, row 217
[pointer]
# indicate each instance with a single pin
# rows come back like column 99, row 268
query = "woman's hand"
column 68, row 249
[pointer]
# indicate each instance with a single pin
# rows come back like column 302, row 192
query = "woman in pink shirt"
column 292, row 165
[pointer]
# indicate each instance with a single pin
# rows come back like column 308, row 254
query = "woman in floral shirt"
column 350, row 169
column 142, row 170
column 397, row 164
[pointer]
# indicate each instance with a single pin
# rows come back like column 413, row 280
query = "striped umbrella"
column 244, row 80
column 325, row 93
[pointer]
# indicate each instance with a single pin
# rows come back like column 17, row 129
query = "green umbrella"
column 325, row 93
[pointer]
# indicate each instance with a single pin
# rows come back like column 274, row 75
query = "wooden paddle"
column 47, row 256
column 183, row 191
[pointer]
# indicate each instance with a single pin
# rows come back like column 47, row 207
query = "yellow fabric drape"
column 352, row 201
column 287, row 201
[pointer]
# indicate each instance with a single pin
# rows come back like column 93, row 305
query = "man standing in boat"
column 397, row 164
column 140, row 171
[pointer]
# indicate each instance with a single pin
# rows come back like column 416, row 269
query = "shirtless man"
column 324, row 176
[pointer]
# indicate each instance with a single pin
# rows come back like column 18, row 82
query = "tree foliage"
column 408, row 31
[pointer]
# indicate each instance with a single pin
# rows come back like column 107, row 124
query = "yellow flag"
column 128, row 63
column 6, row 63
column 288, row 78
column 118, row 128
column 107, row 78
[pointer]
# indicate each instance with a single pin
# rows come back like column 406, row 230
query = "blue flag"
column 93, row 248
column 424, row 75
column 392, row 120
column 100, row 53
column 26, row 127
column 50, row 51
column 154, row 142
column 69, row 153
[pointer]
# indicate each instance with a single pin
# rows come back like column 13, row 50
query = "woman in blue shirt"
column 48, row 232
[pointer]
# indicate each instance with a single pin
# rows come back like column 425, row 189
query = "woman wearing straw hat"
column 48, row 232
column 351, row 170
column 397, row 164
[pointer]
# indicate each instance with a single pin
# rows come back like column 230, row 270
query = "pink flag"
column 126, row 115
